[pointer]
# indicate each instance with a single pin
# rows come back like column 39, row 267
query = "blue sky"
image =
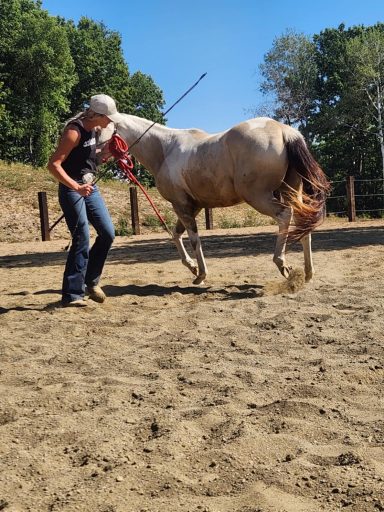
column 176, row 41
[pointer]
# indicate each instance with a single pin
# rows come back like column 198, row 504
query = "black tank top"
column 82, row 158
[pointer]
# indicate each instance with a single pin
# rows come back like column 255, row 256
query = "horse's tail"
column 309, row 205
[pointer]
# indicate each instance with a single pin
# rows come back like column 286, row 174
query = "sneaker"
column 78, row 303
column 96, row 293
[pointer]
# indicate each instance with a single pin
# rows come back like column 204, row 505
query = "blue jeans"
column 84, row 265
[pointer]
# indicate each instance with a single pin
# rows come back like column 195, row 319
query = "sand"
column 248, row 393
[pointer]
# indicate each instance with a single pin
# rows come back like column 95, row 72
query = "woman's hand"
column 84, row 190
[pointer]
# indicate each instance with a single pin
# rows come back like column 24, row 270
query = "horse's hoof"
column 191, row 266
column 285, row 271
column 308, row 277
column 199, row 280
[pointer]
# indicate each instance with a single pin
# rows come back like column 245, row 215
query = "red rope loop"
column 119, row 150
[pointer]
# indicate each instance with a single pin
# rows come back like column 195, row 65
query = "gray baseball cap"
column 105, row 105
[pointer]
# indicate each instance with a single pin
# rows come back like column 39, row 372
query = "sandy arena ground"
column 246, row 394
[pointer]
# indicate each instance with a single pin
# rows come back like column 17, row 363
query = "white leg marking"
column 186, row 260
column 196, row 244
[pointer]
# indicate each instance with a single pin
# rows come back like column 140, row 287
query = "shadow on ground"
column 159, row 250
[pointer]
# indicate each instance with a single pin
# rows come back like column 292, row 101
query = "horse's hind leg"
column 267, row 204
column 308, row 262
column 294, row 182
column 186, row 260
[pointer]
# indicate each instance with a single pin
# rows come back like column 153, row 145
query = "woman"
column 74, row 165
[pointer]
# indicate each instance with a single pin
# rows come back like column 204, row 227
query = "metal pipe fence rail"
column 345, row 200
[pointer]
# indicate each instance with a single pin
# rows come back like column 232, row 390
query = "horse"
column 262, row 162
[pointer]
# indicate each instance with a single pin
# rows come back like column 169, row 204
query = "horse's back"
column 263, row 131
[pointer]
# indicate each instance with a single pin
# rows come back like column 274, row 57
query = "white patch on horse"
column 180, row 158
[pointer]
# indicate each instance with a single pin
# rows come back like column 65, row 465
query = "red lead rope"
column 119, row 150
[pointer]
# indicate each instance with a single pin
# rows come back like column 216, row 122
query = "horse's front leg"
column 186, row 260
column 196, row 244
column 187, row 219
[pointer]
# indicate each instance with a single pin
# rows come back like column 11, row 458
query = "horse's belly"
column 209, row 192
column 217, row 202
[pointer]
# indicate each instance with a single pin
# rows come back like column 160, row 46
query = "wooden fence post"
column 208, row 218
column 44, row 220
column 134, row 210
column 351, row 198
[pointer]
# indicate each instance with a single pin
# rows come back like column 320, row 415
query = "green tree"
column 49, row 67
column 365, row 57
column 343, row 124
column 101, row 68
column 11, row 13
column 38, row 73
column 338, row 139
column 333, row 88
column 2, row 98
column 99, row 64
column 289, row 72
column 146, row 97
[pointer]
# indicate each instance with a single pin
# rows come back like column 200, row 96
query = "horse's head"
column 106, row 133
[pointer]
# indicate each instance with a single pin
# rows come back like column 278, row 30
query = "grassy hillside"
column 19, row 219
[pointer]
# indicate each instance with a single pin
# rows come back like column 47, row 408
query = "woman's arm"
column 69, row 140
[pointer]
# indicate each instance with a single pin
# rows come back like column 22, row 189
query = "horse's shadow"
column 158, row 250
column 155, row 290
